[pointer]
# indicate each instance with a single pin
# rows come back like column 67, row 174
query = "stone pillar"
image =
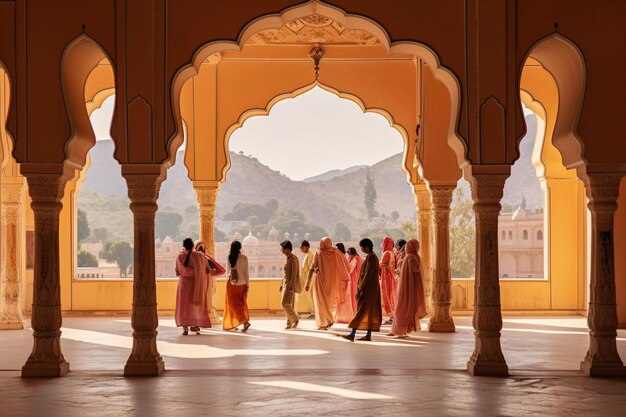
column 144, row 360
column 424, row 224
column 11, row 267
column 487, row 358
column 207, row 198
column 46, row 359
column 441, row 321
column 602, row 358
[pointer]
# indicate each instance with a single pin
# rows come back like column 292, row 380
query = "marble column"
column 144, row 360
column 46, row 359
column 441, row 320
column 487, row 358
column 207, row 198
column 602, row 358
column 11, row 267
column 424, row 224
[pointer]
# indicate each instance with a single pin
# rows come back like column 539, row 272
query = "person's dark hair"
column 341, row 247
column 188, row 245
column 305, row 243
column 400, row 243
column 200, row 248
column 351, row 251
column 286, row 244
column 235, row 249
column 367, row 243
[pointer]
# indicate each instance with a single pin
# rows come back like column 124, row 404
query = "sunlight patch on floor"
column 180, row 350
column 340, row 392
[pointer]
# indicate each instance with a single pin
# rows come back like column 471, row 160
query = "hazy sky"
column 304, row 136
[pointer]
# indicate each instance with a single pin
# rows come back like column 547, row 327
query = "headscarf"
column 219, row 269
column 387, row 244
column 333, row 269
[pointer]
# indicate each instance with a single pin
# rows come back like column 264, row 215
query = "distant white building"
column 521, row 244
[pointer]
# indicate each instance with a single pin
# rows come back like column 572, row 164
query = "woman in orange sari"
column 191, row 308
column 387, row 278
column 331, row 269
column 411, row 303
column 236, row 305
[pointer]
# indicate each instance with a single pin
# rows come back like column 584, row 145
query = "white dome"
column 250, row 240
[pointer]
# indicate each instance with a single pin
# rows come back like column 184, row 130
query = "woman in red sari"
column 236, row 305
column 355, row 262
column 191, row 308
column 411, row 303
column 387, row 278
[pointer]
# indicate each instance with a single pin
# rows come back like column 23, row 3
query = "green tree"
column 377, row 235
column 167, row 224
column 86, row 259
column 370, row 195
column 410, row 229
column 462, row 237
column 83, row 230
column 342, row 233
column 119, row 252
column 271, row 206
column 395, row 216
column 100, row 234
column 220, row 236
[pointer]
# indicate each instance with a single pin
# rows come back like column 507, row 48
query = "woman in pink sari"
column 345, row 308
column 191, row 307
column 388, row 281
column 354, row 267
column 331, row 269
column 411, row 303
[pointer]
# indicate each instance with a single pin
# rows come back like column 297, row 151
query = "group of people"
column 337, row 285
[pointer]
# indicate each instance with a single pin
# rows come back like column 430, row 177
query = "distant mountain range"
column 334, row 173
column 327, row 199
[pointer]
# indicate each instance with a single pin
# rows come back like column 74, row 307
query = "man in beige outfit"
column 291, row 284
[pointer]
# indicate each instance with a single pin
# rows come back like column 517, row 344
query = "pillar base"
column 45, row 369
column 478, row 367
column 441, row 327
column 11, row 325
column 154, row 368
column 596, row 368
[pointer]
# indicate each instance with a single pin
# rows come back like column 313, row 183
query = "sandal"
column 246, row 327
column 185, row 331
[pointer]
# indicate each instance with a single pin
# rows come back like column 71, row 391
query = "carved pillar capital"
column 46, row 359
column 144, row 360
column 207, row 202
column 602, row 358
column 441, row 320
column 487, row 359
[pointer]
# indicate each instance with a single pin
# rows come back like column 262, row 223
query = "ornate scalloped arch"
column 79, row 59
column 277, row 20
column 565, row 62
column 347, row 96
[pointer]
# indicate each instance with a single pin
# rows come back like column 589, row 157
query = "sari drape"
column 191, row 306
column 387, row 278
column 332, row 270
column 411, row 302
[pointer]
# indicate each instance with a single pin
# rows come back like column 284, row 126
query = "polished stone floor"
column 273, row 372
